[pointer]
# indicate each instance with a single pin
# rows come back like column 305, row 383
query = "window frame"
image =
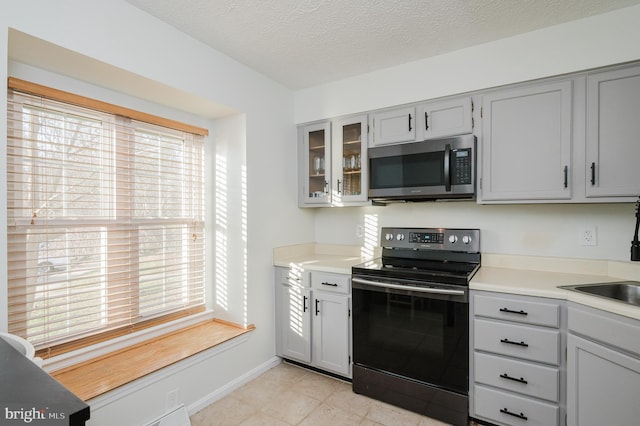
column 110, row 109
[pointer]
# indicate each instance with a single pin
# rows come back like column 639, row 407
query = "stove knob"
column 466, row 239
column 453, row 239
column 400, row 237
column 388, row 237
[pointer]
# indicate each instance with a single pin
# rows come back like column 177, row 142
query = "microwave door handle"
column 447, row 168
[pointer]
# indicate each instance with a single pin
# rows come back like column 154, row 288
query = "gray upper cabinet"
column 427, row 120
column 613, row 133
column 397, row 125
column 526, row 143
column 314, row 162
column 332, row 163
column 349, row 161
column 445, row 118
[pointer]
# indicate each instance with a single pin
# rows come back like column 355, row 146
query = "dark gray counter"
column 28, row 395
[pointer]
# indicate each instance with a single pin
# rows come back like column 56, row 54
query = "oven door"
column 418, row 333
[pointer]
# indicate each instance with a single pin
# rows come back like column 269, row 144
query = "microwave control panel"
column 461, row 167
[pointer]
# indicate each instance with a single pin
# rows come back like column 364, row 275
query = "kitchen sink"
column 623, row 291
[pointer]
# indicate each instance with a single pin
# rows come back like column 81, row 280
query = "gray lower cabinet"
column 313, row 319
column 517, row 363
column 603, row 368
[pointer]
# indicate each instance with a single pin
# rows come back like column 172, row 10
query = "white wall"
column 534, row 230
column 542, row 230
column 587, row 43
column 260, row 140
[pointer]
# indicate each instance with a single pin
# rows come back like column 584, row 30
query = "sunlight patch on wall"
column 244, row 226
column 221, row 270
column 370, row 235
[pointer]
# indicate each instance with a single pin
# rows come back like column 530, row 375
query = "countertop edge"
column 510, row 274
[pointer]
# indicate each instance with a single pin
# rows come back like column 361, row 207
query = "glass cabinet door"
column 317, row 163
column 350, row 162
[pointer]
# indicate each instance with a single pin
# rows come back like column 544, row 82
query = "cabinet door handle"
column 566, row 176
column 338, row 185
column 317, row 310
column 330, row 284
column 426, row 121
column 511, row 342
column 515, row 379
column 326, row 187
column 593, row 174
column 520, row 416
column 410, row 128
column 509, row 311
column 304, row 303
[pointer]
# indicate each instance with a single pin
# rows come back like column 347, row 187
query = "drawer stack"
column 517, row 362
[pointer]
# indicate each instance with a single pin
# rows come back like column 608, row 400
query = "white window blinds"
column 105, row 221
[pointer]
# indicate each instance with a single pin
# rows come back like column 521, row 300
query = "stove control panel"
column 463, row 240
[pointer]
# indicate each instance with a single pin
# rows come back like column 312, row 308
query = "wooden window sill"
column 99, row 375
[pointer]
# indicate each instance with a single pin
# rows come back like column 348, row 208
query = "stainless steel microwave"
column 428, row 170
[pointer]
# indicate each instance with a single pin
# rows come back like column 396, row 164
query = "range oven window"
column 415, row 170
column 414, row 336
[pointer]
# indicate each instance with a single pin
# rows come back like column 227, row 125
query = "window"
column 105, row 221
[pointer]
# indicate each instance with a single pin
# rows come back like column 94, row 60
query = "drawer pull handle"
column 330, row 284
column 509, row 311
column 515, row 379
column 520, row 416
column 514, row 343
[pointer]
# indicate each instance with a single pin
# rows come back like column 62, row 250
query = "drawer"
column 518, row 309
column 292, row 276
column 520, row 341
column 511, row 409
column 518, row 376
column 326, row 281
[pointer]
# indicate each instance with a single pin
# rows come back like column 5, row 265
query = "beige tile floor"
column 291, row 395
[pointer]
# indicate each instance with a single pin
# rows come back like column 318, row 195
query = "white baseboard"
column 233, row 385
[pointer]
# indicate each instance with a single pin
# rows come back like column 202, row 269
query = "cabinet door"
column 296, row 322
column 526, row 146
column 613, row 133
column 315, row 162
column 445, row 118
column 331, row 332
column 350, row 161
column 603, row 385
column 394, row 126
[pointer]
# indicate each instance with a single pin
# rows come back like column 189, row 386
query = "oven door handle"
column 410, row 288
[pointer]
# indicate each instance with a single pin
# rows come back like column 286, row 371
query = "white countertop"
column 524, row 275
column 542, row 277
column 322, row 257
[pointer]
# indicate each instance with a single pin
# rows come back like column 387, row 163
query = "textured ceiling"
column 303, row 43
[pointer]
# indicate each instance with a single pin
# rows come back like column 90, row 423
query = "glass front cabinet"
column 333, row 163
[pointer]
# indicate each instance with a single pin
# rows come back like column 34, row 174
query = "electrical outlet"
column 589, row 236
column 172, row 399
